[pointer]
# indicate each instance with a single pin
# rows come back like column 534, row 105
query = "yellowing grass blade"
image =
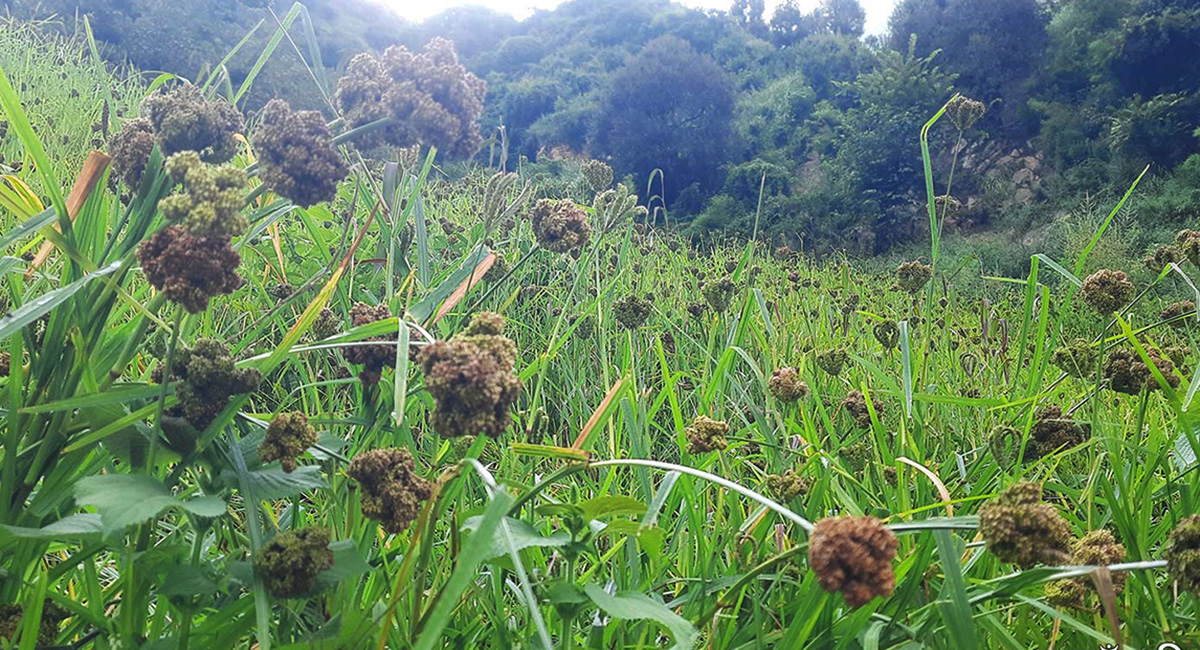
column 89, row 177
column 466, row 285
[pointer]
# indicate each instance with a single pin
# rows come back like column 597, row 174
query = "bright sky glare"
column 877, row 10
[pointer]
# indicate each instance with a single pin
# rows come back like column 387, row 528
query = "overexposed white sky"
column 877, row 10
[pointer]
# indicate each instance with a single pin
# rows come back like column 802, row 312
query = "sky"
column 877, row 10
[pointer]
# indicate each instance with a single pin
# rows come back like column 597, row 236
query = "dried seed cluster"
column 1052, row 432
column 392, row 491
column 373, row 357
column 431, row 98
column 472, row 380
column 184, row 119
column 1127, row 373
column 1019, row 528
column 705, row 434
column 290, row 563
column 785, row 385
column 853, row 556
column 1107, row 291
column 189, row 270
column 288, row 436
column 855, row 403
column 597, row 174
column 832, row 361
column 560, row 225
column 130, row 149
column 299, row 160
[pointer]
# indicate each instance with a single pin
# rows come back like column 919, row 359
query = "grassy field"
column 687, row 414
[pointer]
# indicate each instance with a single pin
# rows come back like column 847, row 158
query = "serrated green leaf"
column 523, row 536
column 636, row 606
column 123, row 500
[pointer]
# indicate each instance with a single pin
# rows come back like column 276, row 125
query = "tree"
column 790, row 24
column 846, row 17
column 994, row 46
column 669, row 108
column 748, row 14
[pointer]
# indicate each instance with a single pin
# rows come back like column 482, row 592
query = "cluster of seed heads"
column 1107, row 291
column 560, row 225
column 430, row 98
column 786, row 385
column 299, row 160
column 373, row 357
column 288, row 436
column 290, row 563
column 912, row 276
column 1128, row 373
column 183, row 119
column 853, row 556
column 705, row 434
column 392, row 491
column 209, row 379
column 1018, row 527
column 472, row 380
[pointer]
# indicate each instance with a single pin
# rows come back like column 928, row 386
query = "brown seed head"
column 853, row 555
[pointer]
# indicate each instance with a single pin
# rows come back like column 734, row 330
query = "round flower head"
column 1052, row 432
column 290, row 562
column 696, row 309
column 1188, row 243
column 832, row 361
column 189, row 270
column 211, row 203
column 787, row 486
column 392, row 491
column 1077, row 358
column 888, row 334
column 855, row 404
column 964, row 111
column 373, row 358
column 431, row 97
column 299, row 160
column 719, row 294
column 853, row 555
column 1177, row 311
column 1127, row 373
column 785, row 385
column 913, row 276
column 631, row 311
column 1183, row 554
column 130, row 150
column 705, row 434
column 597, row 174
column 210, row 378
column 1160, row 257
column 288, row 436
column 1107, row 291
column 281, row 291
column 1100, row 548
column 185, row 120
column 472, row 380
column 560, row 226
column 1019, row 528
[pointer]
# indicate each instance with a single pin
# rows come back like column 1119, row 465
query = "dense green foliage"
column 274, row 392
column 1090, row 91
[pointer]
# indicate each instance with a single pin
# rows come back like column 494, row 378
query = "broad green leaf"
column 612, row 506
column 635, row 606
column 347, row 563
column 123, row 500
column 523, row 536
column 69, row 527
column 271, row 482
